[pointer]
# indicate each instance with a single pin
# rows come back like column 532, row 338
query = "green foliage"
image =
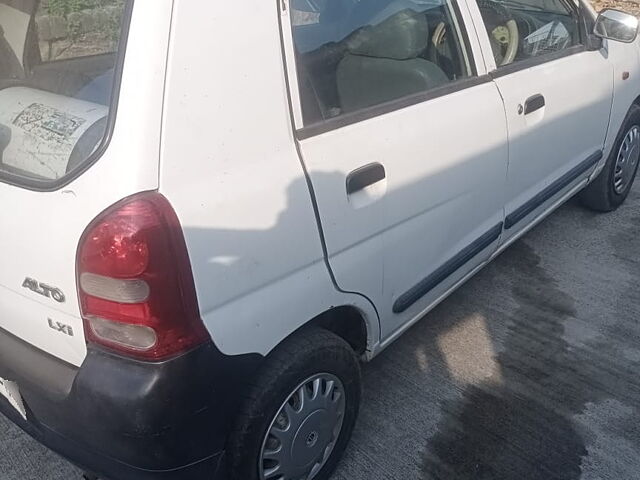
column 65, row 7
column 110, row 29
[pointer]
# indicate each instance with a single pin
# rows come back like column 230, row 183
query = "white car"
column 211, row 212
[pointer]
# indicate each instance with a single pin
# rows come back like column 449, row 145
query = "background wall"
column 71, row 28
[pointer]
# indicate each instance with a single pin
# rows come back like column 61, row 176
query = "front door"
column 557, row 97
column 405, row 144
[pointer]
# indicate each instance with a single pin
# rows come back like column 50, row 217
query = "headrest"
column 402, row 36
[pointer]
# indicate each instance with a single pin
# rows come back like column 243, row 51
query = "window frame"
column 47, row 185
column 497, row 71
column 472, row 51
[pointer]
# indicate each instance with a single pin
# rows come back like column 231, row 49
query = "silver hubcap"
column 304, row 431
column 627, row 160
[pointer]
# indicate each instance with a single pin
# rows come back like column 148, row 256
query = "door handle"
column 365, row 176
column 536, row 102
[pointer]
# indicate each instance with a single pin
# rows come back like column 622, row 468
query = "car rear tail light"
column 135, row 282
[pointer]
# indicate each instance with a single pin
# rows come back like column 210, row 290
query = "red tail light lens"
column 135, row 282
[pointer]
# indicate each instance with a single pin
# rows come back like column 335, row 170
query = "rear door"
column 557, row 96
column 65, row 158
column 404, row 141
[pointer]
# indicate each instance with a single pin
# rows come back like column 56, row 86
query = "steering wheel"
column 439, row 46
column 503, row 31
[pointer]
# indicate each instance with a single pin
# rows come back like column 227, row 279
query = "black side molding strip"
column 520, row 213
column 451, row 266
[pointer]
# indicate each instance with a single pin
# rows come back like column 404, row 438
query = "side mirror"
column 616, row 25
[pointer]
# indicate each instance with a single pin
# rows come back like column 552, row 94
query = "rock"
column 82, row 22
column 45, row 51
column 58, row 27
column 58, row 48
column 52, row 27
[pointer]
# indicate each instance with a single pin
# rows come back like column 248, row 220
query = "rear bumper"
column 127, row 420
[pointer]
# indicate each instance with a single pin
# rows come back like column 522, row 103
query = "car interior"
column 531, row 27
column 354, row 54
column 364, row 53
column 83, row 77
column 76, row 78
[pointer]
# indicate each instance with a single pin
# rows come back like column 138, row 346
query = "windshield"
column 57, row 64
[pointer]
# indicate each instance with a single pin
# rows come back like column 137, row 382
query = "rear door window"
column 58, row 62
column 355, row 54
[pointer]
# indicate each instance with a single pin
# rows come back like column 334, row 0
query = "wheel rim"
column 627, row 160
column 305, row 430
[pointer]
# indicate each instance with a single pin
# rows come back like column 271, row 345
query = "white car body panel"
column 244, row 204
column 577, row 121
column 41, row 230
column 624, row 57
column 217, row 138
column 438, row 198
column 547, row 144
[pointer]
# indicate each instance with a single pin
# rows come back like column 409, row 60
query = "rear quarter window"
column 58, row 69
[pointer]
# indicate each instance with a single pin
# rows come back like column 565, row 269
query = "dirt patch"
column 519, row 426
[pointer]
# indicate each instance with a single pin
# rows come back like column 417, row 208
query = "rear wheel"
column 298, row 417
column 611, row 188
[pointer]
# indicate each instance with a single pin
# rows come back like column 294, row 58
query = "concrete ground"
column 528, row 372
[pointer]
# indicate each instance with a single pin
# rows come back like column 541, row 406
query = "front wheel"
column 298, row 418
column 611, row 188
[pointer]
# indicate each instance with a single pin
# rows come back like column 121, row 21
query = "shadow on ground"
column 527, row 372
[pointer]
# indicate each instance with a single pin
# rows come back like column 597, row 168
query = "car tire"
column 310, row 358
column 606, row 193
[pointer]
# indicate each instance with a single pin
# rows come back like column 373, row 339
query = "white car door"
column 405, row 145
column 557, row 96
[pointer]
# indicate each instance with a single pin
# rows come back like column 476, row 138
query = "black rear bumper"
column 128, row 420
